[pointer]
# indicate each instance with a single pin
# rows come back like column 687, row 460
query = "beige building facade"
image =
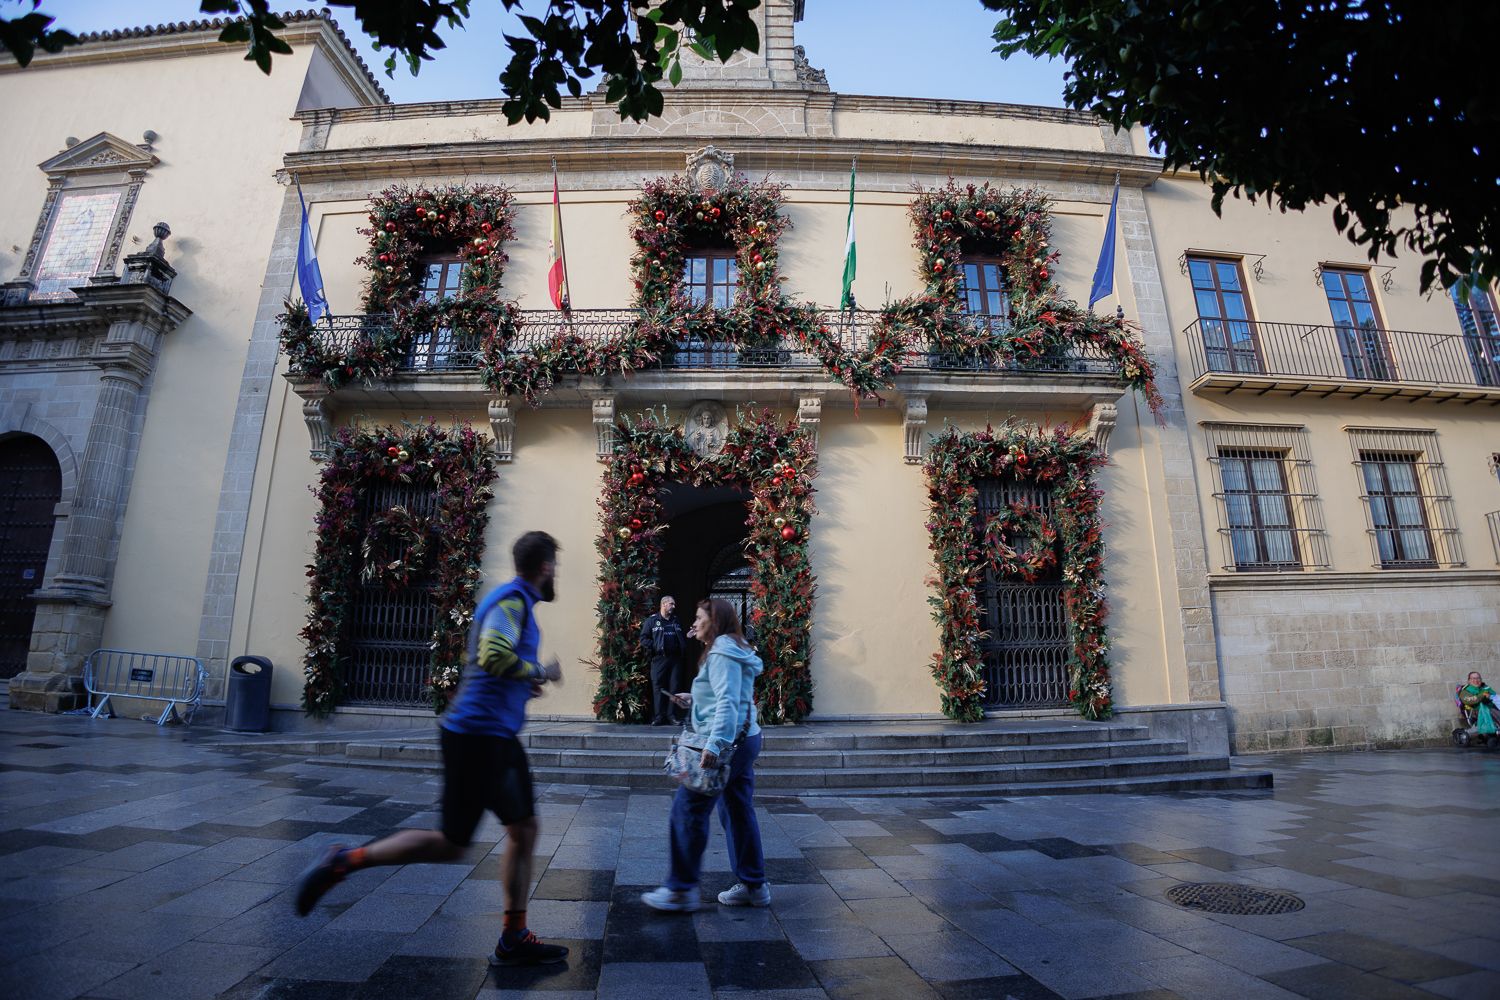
column 196, row 476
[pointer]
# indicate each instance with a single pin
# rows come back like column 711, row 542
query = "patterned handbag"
column 684, row 763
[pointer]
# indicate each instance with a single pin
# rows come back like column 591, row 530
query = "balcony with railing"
column 1325, row 360
column 444, row 364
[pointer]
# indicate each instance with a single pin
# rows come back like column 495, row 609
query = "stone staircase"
column 995, row 757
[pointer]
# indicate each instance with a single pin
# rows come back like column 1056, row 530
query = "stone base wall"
column 1352, row 660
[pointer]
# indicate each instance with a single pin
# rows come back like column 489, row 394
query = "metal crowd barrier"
column 177, row 680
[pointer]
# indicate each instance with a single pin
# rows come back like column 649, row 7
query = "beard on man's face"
column 549, row 589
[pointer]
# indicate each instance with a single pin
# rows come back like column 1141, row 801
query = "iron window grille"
column 438, row 349
column 1270, row 513
column 1225, row 320
column 1493, row 520
column 388, row 644
column 1409, row 511
column 1025, row 646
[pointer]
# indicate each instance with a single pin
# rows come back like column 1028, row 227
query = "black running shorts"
column 483, row 772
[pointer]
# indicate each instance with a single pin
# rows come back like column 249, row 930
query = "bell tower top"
column 779, row 65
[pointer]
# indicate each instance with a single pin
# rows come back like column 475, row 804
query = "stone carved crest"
column 706, row 428
column 710, row 167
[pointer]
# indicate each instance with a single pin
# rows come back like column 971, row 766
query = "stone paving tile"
column 955, row 898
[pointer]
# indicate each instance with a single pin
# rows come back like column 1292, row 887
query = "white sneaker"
column 670, row 900
column 742, row 895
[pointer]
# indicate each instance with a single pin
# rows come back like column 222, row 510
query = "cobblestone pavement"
column 135, row 863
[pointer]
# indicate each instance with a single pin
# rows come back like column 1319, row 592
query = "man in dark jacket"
column 663, row 641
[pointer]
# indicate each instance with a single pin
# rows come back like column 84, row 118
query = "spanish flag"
column 557, row 272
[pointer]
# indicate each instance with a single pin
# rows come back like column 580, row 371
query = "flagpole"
column 562, row 247
column 846, row 299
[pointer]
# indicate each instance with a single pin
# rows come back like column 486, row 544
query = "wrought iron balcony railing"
column 449, row 350
column 1226, row 348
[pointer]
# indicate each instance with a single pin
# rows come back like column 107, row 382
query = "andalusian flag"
column 846, row 301
column 557, row 272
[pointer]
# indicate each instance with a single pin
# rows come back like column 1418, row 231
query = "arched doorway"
column 30, row 488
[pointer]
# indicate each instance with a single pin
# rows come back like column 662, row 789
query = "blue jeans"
column 689, row 825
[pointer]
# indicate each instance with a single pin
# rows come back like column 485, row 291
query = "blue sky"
column 940, row 48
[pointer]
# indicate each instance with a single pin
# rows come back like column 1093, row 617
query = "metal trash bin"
column 247, row 706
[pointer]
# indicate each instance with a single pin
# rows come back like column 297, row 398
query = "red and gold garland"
column 964, row 544
column 775, row 463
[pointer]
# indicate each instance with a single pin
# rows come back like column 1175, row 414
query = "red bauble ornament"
column 485, row 227
column 442, row 217
column 1043, row 273
column 384, row 258
column 636, row 523
column 637, row 479
column 937, row 268
column 947, row 215
column 714, row 211
column 393, row 451
column 390, row 227
column 789, row 532
column 756, row 258
column 660, row 215
column 421, row 211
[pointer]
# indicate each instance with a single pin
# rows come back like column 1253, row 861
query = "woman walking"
column 722, row 703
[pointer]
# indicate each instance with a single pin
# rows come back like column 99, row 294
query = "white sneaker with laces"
column 671, row 901
column 742, row 895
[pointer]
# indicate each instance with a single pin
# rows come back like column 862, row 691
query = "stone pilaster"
column 1176, row 471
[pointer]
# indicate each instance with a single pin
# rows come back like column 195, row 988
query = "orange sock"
column 515, row 921
column 355, row 857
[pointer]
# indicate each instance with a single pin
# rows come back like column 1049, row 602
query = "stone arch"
column 20, row 420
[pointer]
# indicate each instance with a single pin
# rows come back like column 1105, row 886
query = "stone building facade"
column 205, row 447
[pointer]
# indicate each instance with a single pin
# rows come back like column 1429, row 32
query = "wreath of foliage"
column 964, row 544
column 1015, row 226
column 408, row 226
column 395, row 548
column 459, row 466
column 775, row 463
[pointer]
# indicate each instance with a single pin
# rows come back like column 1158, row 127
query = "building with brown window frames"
column 1300, row 550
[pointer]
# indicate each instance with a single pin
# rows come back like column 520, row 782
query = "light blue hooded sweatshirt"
column 723, row 690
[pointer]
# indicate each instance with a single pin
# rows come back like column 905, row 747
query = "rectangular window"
column 442, row 277
column 1362, row 341
column 984, row 292
column 1408, row 506
column 712, row 277
column 75, row 242
column 1229, row 335
column 1270, row 515
column 1481, row 333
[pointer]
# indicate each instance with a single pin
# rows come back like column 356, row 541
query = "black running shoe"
column 527, row 951
column 325, row 873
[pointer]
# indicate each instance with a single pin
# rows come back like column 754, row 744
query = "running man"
column 484, row 764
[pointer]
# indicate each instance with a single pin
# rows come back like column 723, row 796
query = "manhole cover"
column 1244, row 900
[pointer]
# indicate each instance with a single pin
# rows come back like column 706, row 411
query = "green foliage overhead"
column 1386, row 108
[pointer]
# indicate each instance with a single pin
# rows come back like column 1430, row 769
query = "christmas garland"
column 673, row 216
column 407, row 227
column 395, row 548
column 458, row 465
column 775, row 463
column 1014, row 226
column 964, row 544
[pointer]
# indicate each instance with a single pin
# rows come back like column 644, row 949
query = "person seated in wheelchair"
column 1476, row 706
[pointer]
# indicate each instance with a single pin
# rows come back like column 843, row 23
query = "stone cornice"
column 49, row 319
column 201, row 37
column 755, row 154
column 1374, row 579
column 714, row 97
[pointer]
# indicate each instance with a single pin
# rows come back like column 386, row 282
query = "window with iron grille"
column 1356, row 317
column 1026, row 647
column 442, row 278
column 1270, row 515
column 388, row 645
column 1228, row 328
column 1481, row 332
column 1408, row 506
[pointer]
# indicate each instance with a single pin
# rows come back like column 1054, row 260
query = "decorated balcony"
column 1231, row 356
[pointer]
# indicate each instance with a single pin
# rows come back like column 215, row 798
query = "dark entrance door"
column 30, row 487
column 390, row 638
column 704, row 553
column 1026, row 649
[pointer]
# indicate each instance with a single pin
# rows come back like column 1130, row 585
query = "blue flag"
column 309, row 278
column 1104, row 271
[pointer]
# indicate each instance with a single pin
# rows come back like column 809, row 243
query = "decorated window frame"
column 964, row 545
column 772, row 460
